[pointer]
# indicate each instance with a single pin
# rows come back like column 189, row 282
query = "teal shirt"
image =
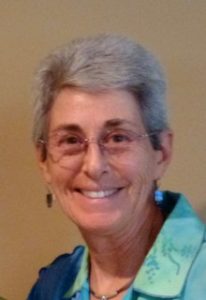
column 174, row 268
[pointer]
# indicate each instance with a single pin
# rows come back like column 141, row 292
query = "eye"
column 68, row 139
column 71, row 140
column 119, row 137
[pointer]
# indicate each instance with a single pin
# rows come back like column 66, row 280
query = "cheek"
column 140, row 187
column 61, row 179
column 139, row 173
column 138, row 169
column 61, row 185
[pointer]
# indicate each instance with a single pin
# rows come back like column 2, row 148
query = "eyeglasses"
column 63, row 146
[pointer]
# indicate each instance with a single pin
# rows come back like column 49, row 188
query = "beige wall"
column 30, row 234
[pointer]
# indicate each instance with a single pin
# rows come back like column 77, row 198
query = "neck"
column 116, row 258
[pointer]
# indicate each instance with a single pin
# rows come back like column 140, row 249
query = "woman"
column 103, row 143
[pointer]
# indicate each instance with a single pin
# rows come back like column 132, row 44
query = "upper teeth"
column 98, row 194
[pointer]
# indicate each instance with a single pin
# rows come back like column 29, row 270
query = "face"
column 101, row 191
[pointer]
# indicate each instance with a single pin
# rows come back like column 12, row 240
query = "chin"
column 100, row 216
column 97, row 223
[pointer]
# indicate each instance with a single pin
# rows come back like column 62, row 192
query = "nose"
column 95, row 162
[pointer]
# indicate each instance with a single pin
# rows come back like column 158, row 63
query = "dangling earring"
column 158, row 195
column 49, row 200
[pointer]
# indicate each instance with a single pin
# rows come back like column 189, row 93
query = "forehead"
column 94, row 110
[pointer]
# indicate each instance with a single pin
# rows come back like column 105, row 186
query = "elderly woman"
column 103, row 143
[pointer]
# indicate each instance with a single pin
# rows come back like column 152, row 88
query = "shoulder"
column 188, row 235
column 55, row 279
column 195, row 287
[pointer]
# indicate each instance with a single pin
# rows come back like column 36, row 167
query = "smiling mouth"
column 99, row 194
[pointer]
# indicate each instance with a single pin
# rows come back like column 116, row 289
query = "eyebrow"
column 67, row 127
column 113, row 123
column 118, row 122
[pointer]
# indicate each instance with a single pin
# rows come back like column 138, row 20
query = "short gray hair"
column 102, row 63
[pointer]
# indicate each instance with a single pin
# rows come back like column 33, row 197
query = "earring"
column 49, row 200
column 158, row 197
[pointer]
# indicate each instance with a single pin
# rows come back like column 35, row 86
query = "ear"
column 164, row 155
column 42, row 160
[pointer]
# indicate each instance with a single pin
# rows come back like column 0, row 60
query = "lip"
column 98, row 194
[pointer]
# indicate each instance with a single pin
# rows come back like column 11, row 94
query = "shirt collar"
column 167, row 264
column 81, row 276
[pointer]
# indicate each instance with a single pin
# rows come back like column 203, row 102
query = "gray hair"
column 103, row 63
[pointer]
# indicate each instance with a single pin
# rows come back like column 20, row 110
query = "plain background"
column 31, row 235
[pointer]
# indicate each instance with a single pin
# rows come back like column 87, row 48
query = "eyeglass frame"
column 86, row 141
